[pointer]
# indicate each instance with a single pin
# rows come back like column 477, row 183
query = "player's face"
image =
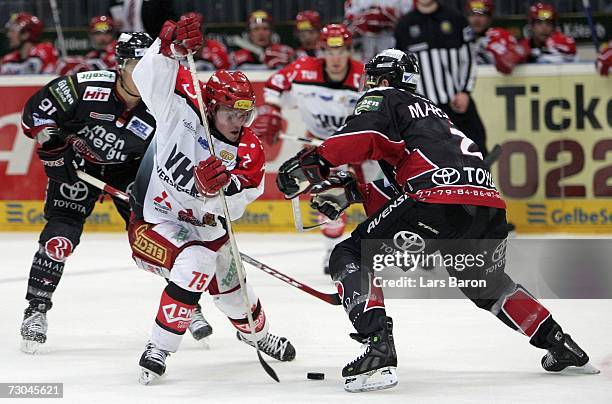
column 14, row 36
column 229, row 121
column 308, row 38
column 261, row 35
column 126, row 74
column 542, row 30
column 99, row 40
column 479, row 22
column 336, row 59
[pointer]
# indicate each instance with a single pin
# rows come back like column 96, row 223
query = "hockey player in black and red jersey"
column 435, row 167
column 213, row 54
column 258, row 50
column 28, row 55
column 307, row 31
column 325, row 91
column 94, row 121
column 494, row 45
column 178, row 228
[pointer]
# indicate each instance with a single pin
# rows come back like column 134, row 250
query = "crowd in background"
column 372, row 21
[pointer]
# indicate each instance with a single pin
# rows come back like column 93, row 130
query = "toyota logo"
column 500, row 251
column 128, row 190
column 76, row 192
column 408, row 241
column 446, row 176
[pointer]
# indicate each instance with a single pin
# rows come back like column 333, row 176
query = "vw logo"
column 408, row 241
column 446, row 176
column 500, row 251
column 76, row 192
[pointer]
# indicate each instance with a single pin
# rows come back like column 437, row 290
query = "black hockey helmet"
column 400, row 69
column 132, row 45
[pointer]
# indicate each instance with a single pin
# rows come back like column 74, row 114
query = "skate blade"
column 205, row 343
column 31, row 347
column 586, row 369
column 379, row 379
column 147, row 377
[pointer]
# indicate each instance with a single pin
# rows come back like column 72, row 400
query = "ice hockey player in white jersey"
column 325, row 91
column 177, row 230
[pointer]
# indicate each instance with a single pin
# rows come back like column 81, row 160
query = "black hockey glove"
column 332, row 196
column 297, row 174
column 60, row 163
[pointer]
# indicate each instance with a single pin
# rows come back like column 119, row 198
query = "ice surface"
column 449, row 352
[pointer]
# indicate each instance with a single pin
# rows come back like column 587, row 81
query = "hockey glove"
column 332, row 196
column 210, row 175
column 296, row 175
column 268, row 124
column 60, row 163
column 177, row 39
column 277, row 55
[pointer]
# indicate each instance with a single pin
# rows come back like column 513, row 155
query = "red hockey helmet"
column 484, row 7
column 230, row 89
column 308, row 20
column 28, row 23
column 259, row 17
column 194, row 14
column 542, row 12
column 101, row 23
column 335, row 35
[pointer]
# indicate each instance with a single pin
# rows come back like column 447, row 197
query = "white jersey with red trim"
column 164, row 189
column 369, row 17
column 323, row 104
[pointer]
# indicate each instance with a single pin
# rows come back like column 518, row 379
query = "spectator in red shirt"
column 547, row 44
column 28, row 55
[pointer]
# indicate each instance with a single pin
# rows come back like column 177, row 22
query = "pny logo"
column 174, row 313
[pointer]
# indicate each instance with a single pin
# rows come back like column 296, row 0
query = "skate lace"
column 365, row 350
column 155, row 354
column 274, row 344
column 36, row 322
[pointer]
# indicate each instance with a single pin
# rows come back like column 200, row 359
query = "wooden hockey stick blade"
column 493, row 156
column 331, row 298
column 267, row 367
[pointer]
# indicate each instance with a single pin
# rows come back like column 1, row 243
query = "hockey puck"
column 315, row 376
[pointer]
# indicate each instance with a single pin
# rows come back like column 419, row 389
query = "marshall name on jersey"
column 323, row 104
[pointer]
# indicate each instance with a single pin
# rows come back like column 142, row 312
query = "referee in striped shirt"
column 443, row 41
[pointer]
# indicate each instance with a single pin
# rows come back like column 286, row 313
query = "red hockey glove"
column 180, row 38
column 269, row 123
column 210, row 175
column 277, row 55
column 332, row 196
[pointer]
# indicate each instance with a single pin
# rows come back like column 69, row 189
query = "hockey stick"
column 493, row 156
column 331, row 298
column 300, row 139
column 589, row 15
column 58, row 28
column 237, row 40
column 228, row 221
column 103, row 186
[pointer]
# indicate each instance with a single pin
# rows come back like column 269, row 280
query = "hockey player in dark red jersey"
column 94, row 121
column 258, row 50
column 101, row 57
column 307, row 30
column 493, row 45
column 28, row 55
column 545, row 43
column 213, row 54
column 325, row 91
column 432, row 165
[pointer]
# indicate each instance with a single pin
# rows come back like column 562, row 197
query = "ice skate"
column 272, row 345
column 199, row 328
column 152, row 364
column 566, row 356
column 34, row 325
column 375, row 368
